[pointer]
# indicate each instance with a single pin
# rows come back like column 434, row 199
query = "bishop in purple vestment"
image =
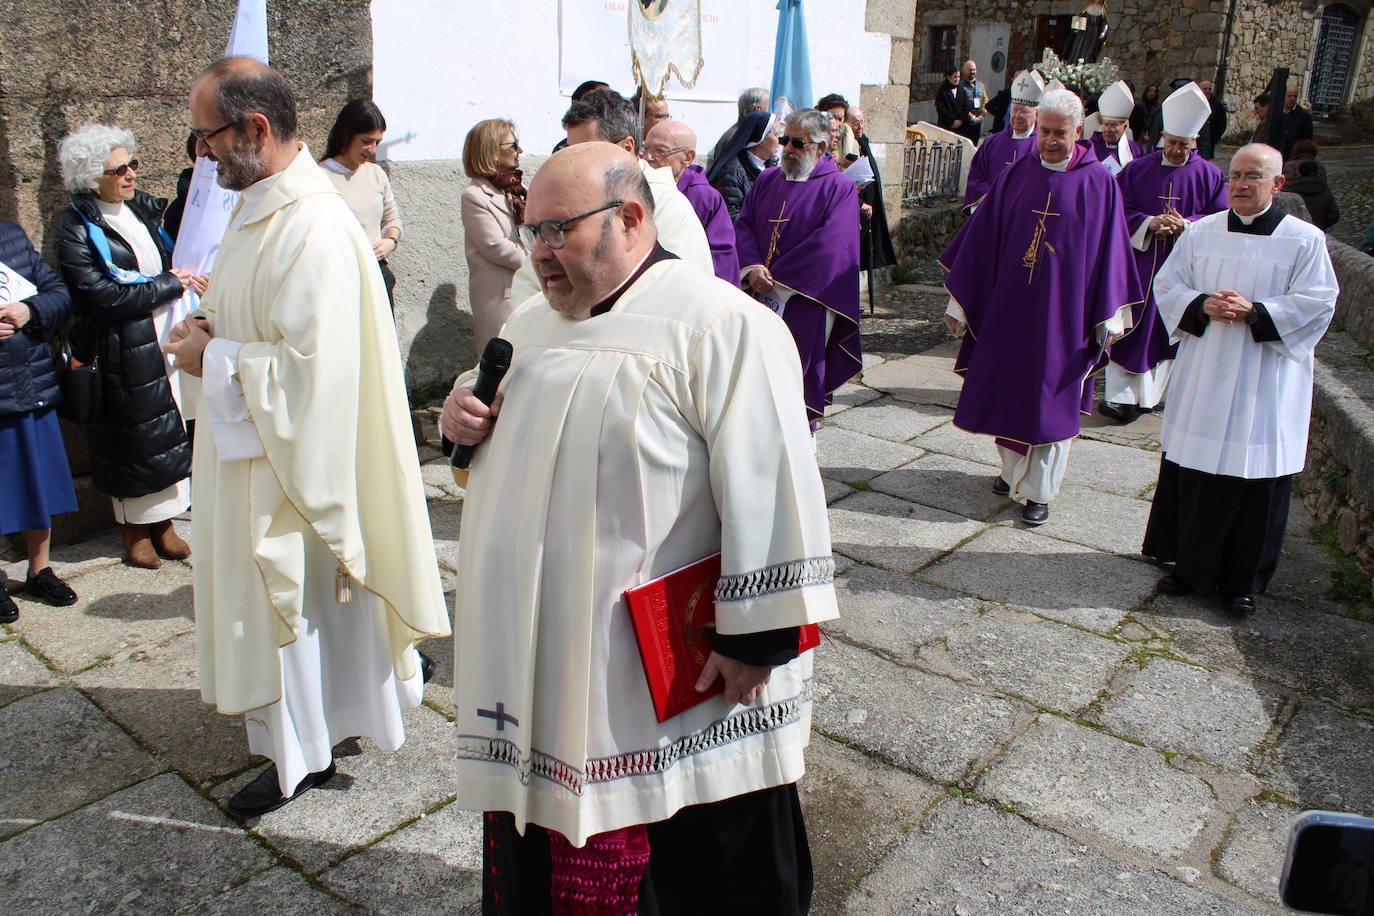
column 673, row 145
column 1001, row 150
column 1110, row 154
column 798, row 243
column 1039, row 278
column 1163, row 192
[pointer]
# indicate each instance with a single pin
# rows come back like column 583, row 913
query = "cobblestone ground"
column 1007, row 720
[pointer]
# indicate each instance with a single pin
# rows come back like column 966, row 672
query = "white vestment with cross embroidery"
column 631, row 444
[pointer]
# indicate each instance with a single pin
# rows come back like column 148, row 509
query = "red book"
column 675, row 623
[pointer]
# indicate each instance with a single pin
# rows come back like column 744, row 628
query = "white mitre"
column 1116, row 101
column 1054, row 84
column 1185, row 111
column 1027, row 88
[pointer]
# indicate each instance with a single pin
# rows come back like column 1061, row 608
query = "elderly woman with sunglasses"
column 116, row 260
column 493, row 206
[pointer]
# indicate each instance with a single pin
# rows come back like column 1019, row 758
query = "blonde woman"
column 493, row 208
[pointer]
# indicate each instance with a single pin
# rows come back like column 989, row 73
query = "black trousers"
column 389, row 279
column 747, row 855
column 1224, row 534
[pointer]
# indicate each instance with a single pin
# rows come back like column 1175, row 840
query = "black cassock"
column 875, row 239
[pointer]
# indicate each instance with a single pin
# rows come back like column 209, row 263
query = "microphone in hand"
column 492, row 368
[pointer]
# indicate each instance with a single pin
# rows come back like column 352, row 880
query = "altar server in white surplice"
column 652, row 416
column 315, row 573
column 1246, row 293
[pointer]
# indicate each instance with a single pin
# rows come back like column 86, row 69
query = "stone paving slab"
column 60, row 752
column 851, row 395
column 1073, row 777
column 955, row 442
column 918, row 379
column 1093, row 518
column 121, row 608
column 894, row 420
column 279, row 891
column 943, row 482
column 834, row 490
column 1074, row 584
column 847, row 456
column 1114, row 468
column 430, row 868
column 927, row 724
column 21, row 673
column 970, row 859
column 373, row 792
column 1308, row 651
column 1142, row 433
column 154, row 693
column 1322, row 760
column 1252, row 858
column 1046, row 663
column 892, row 533
column 894, row 614
column 156, row 847
column 1191, row 710
column 855, row 809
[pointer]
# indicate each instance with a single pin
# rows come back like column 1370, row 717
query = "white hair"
column 1272, row 158
column 1062, row 102
column 83, row 152
column 751, row 97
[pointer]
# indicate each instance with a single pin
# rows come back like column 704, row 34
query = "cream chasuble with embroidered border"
column 631, row 444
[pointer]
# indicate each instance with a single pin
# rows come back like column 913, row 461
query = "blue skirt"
column 34, row 458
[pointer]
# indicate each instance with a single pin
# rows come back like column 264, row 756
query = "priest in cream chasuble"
column 642, row 427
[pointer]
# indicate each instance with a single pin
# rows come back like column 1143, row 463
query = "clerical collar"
column 758, row 163
column 659, row 253
column 1262, row 223
column 1027, row 134
column 1176, row 165
column 1061, row 166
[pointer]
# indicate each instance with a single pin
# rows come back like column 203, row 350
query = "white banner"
column 595, row 44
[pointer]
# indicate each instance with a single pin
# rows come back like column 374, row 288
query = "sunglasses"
column 797, row 142
column 124, row 169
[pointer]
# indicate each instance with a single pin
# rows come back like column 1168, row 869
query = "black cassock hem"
column 747, row 854
column 1224, row 534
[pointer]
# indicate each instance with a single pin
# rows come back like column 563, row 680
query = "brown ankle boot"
column 138, row 547
column 168, row 543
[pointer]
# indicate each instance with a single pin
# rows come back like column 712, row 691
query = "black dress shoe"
column 1121, row 413
column 263, row 794
column 1173, row 585
column 1035, row 513
column 1001, row 487
column 9, row 611
column 1240, row 605
column 45, row 586
column 427, row 667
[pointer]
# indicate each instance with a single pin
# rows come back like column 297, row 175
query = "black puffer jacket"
column 28, row 378
column 734, row 180
column 138, row 444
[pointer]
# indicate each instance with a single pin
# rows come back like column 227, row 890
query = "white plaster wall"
column 441, row 66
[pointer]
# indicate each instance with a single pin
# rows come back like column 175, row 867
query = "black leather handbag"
column 80, row 384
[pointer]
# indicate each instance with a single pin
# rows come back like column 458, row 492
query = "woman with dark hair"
column 1143, row 115
column 347, row 160
column 116, row 260
column 753, row 149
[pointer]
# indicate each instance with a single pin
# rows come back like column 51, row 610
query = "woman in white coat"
column 493, row 208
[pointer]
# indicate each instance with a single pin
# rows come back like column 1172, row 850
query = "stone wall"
column 1336, row 484
column 63, row 66
column 885, row 104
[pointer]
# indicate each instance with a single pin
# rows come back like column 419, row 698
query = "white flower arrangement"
column 1088, row 79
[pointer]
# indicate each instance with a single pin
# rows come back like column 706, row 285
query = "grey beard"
column 800, row 172
column 243, row 166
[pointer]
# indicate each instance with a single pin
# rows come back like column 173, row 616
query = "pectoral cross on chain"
column 777, row 230
column 1169, row 198
column 1031, row 259
column 500, row 715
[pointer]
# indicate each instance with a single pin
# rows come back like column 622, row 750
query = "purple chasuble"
column 807, row 234
column 715, row 219
column 1195, row 189
column 995, row 155
column 1103, row 151
column 1037, row 269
